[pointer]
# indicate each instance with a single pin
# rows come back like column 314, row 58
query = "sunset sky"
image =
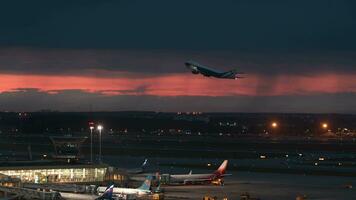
column 129, row 55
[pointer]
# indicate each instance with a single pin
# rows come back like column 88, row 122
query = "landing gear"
column 218, row 182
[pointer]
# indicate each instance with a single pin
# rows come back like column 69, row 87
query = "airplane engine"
column 195, row 72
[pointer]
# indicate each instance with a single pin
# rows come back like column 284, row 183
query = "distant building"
column 67, row 147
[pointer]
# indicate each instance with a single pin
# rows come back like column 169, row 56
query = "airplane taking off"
column 197, row 68
column 213, row 178
column 144, row 189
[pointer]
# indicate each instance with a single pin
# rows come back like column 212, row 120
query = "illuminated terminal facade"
column 57, row 174
column 64, row 167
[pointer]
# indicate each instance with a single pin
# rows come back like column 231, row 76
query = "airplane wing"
column 223, row 175
column 196, row 180
column 205, row 179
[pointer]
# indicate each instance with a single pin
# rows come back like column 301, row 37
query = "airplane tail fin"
column 233, row 74
column 190, row 172
column 222, row 169
column 144, row 164
column 108, row 192
column 146, row 185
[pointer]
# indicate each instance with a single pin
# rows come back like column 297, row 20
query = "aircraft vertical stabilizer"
column 222, row 169
column 146, row 185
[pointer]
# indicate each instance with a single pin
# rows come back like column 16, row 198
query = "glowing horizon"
column 183, row 84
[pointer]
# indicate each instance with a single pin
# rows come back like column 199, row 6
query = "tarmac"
column 269, row 187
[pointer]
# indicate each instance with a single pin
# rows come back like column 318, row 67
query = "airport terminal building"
column 65, row 166
column 52, row 173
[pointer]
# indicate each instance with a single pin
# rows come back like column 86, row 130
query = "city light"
column 274, row 124
column 100, row 127
column 324, row 125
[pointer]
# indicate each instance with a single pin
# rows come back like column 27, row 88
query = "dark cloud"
column 158, row 36
column 149, row 62
column 133, row 39
column 201, row 24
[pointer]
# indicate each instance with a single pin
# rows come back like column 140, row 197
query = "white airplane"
column 197, row 68
column 107, row 194
column 213, row 178
column 144, row 189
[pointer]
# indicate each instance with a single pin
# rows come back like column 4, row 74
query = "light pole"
column 324, row 125
column 91, row 144
column 100, row 127
column 274, row 124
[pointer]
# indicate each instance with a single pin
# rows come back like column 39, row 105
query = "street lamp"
column 91, row 144
column 100, row 127
column 274, row 124
column 324, row 125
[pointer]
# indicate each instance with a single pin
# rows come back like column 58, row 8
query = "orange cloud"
column 184, row 84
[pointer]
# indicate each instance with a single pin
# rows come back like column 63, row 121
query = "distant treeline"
column 175, row 123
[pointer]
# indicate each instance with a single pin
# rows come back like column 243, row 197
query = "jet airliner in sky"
column 197, row 68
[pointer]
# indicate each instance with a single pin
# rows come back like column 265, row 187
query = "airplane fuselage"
column 197, row 68
column 67, row 195
column 195, row 179
column 117, row 190
column 212, row 178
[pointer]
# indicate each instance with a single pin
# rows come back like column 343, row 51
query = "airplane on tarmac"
column 140, row 170
column 107, row 194
column 213, row 178
column 197, row 68
column 144, row 189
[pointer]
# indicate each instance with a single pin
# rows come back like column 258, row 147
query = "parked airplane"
column 213, row 178
column 140, row 170
column 197, row 68
column 106, row 195
column 145, row 188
